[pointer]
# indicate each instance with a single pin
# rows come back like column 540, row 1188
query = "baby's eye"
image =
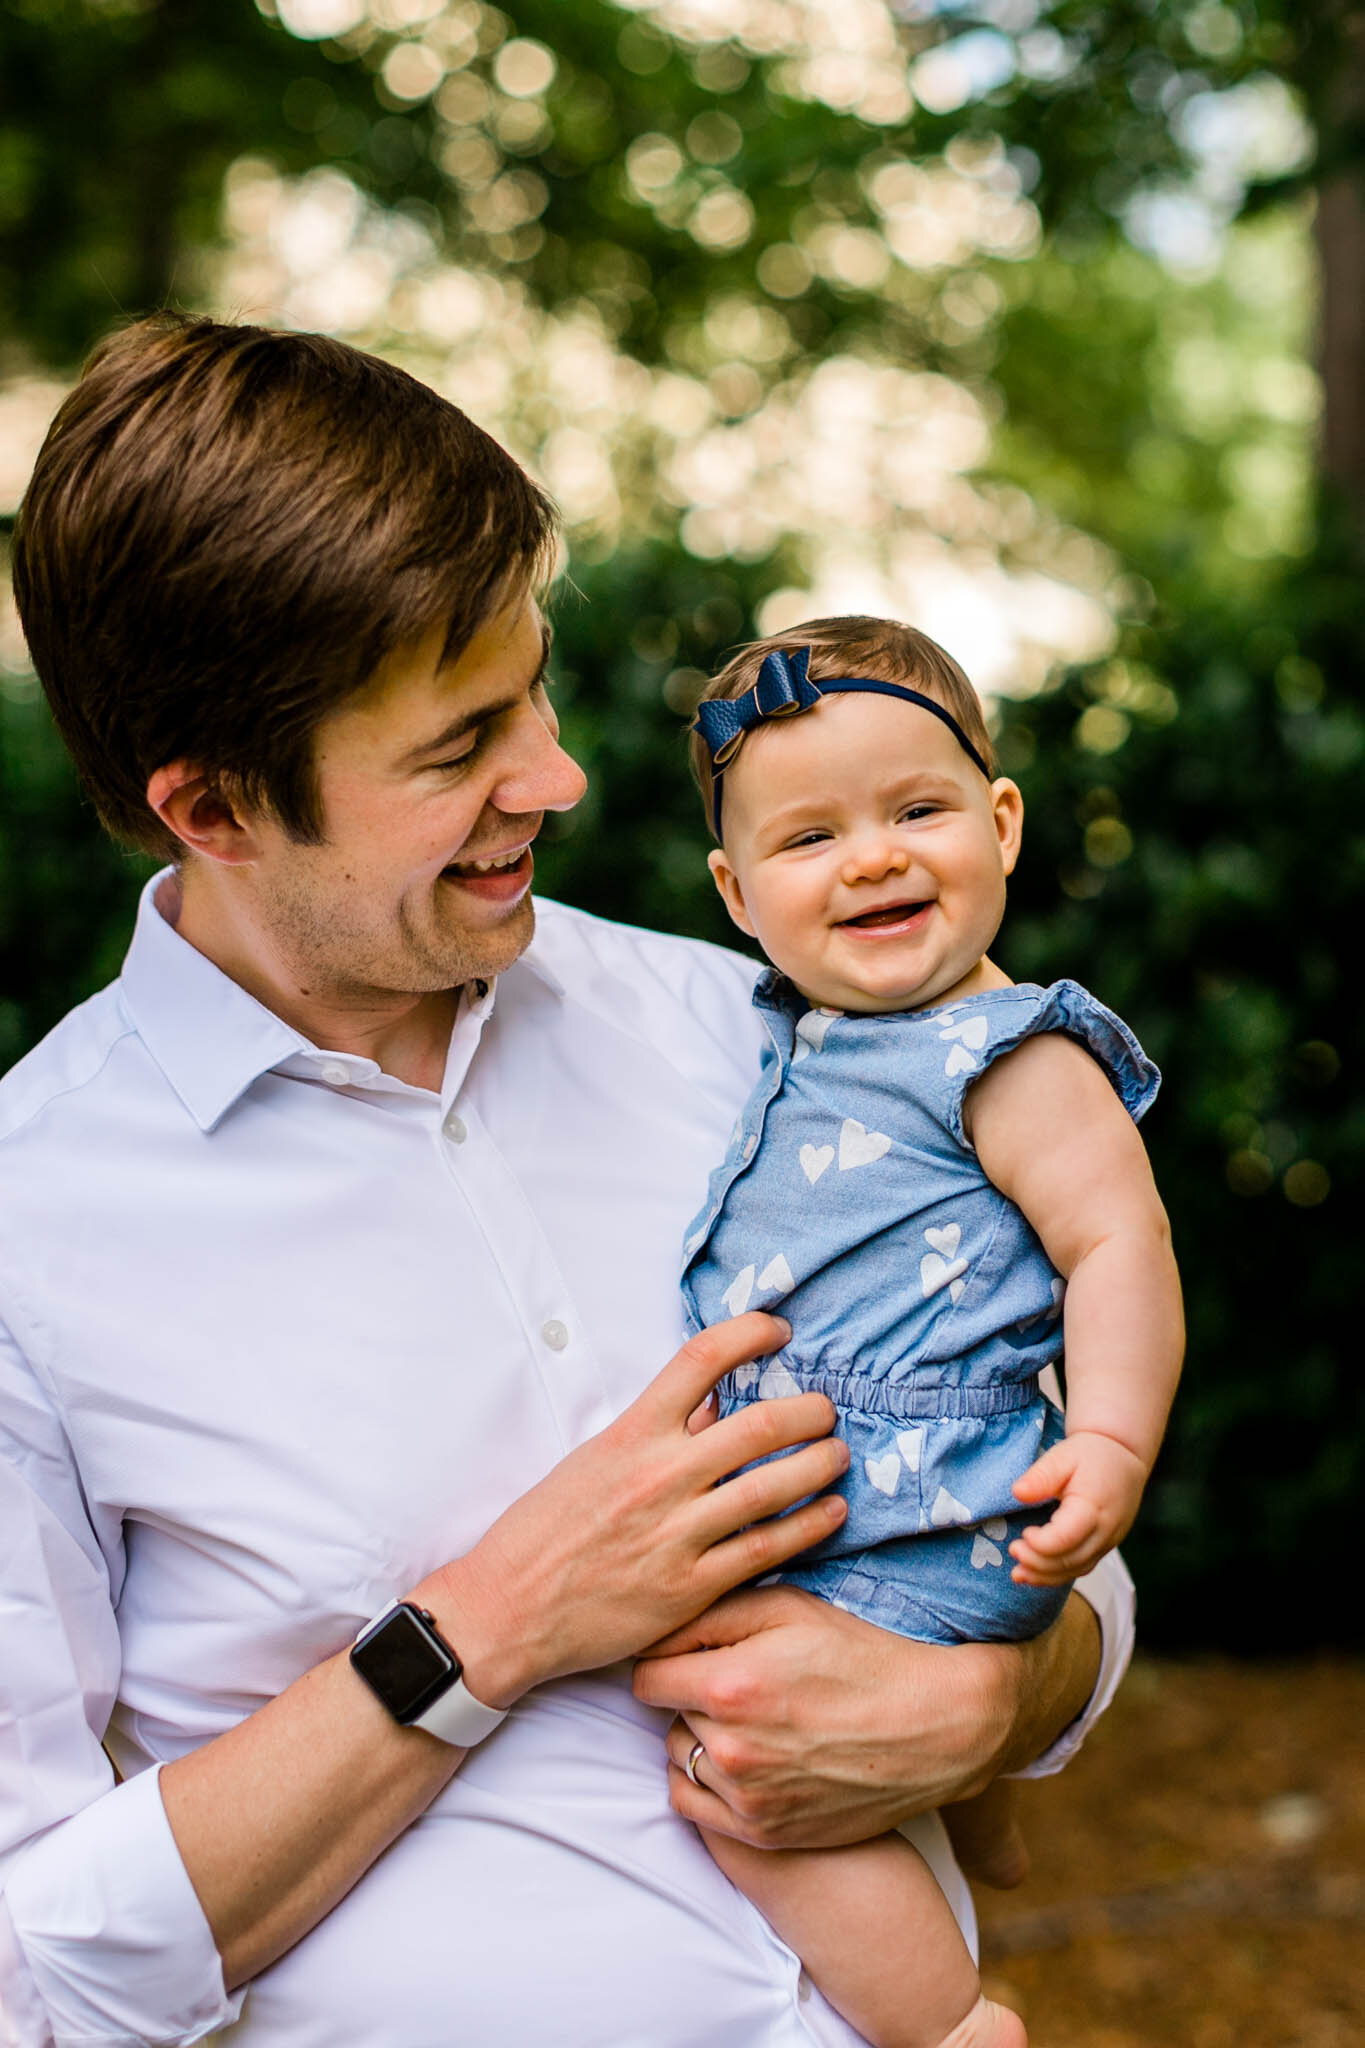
column 916, row 811
column 811, row 838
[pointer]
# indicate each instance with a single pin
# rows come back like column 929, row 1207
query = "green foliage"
column 1210, row 867
column 66, row 894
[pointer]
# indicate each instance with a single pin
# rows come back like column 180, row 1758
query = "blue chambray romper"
column 921, row 1301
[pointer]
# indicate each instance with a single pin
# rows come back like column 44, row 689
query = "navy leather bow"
column 783, row 687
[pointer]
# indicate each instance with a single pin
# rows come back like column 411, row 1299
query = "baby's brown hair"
column 883, row 649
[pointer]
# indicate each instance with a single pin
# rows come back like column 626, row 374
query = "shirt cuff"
column 1109, row 1590
column 103, row 1942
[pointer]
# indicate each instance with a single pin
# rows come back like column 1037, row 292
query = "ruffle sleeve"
column 974, row 1036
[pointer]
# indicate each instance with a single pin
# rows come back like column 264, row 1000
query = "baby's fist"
column 1097, row 1483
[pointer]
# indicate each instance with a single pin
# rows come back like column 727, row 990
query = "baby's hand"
column 1097, row 1483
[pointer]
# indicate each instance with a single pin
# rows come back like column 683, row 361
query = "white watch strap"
column 456, row 1717
column 459, row 1718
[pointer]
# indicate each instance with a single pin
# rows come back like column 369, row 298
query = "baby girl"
column 937, row 1181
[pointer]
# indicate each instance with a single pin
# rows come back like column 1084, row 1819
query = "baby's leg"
column 986, row 1837
column 877, row 1936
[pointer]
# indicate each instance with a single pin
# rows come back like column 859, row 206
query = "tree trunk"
column 1341, row 338
column 1340, row 234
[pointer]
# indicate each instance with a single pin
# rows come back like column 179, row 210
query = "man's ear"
column 1008, row 807
column 731, row 895
column 204, row 817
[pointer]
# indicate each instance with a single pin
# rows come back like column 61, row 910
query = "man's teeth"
column 486, row 867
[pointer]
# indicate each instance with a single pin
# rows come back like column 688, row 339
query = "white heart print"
column 946, row 1240
column 776, row 1384
column 936, row 1272
column 736, row 1295
column 984, row 1553
column 884, row 1472
column 858, row 1146
column 946, row 1510
column 776, row 1276
column 971, row 1031
column 959, row 1061
column 814, row 1160
column 810, row 1033
column 997, row 1527
column 911, row 1444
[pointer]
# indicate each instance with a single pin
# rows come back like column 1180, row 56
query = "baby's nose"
column 873, row 857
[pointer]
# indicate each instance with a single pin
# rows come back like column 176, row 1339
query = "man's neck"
column 407, row 1036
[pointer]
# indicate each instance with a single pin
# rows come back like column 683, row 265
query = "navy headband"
column 783, row 689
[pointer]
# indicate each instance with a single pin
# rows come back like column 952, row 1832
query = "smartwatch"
column 412, row 1670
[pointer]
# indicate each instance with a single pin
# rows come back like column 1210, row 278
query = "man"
column 338, row 1243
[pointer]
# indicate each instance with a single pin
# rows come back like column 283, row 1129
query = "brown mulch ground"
column 1199, row 1871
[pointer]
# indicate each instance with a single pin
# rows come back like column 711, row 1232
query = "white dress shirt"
column 279, row 1334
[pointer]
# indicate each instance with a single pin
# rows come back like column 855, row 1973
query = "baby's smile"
column 890, row 918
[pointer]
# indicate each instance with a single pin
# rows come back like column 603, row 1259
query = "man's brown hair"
column 227, row 531
column 882, row 649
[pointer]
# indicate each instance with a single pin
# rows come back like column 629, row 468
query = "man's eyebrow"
column 468, row 721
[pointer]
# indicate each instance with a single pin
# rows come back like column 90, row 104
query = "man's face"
column 433, row 784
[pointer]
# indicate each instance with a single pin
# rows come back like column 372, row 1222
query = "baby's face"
column 867, row 854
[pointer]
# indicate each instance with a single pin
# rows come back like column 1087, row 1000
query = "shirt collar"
column 773, row 991
column 208, row 1036
column 212, row 1040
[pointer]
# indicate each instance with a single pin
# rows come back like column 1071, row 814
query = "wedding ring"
column 694, row 1757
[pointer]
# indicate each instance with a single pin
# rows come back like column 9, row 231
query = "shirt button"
column 455, row 1128
column 335, row 1073
column 555, row 1334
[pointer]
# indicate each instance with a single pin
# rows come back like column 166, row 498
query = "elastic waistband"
column 909, row 1398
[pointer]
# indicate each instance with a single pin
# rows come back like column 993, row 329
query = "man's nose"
column 542, row 777
column 872, row 856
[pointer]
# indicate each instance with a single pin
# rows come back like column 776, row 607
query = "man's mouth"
column 890, row 917
column 498, row 879
column 491, row 864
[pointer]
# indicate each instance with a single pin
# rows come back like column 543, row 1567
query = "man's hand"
column 821, row 1729
column 643, row 1526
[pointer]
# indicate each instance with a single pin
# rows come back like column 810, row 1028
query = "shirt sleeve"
column 102, row 1940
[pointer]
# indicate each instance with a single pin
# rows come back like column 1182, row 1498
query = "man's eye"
column 454, row 762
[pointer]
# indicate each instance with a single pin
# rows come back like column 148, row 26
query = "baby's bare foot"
column 987, row 2025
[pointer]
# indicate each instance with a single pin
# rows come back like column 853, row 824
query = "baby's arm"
column 1054, row 1137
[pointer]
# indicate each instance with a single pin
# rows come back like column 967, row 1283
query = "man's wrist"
column 992, row 1705
column 479, row 1622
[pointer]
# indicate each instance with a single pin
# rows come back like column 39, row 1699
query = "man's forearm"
column 1056, row 1676
column 279, row 1817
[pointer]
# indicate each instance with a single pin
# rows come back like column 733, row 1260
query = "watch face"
column 404, row 1663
